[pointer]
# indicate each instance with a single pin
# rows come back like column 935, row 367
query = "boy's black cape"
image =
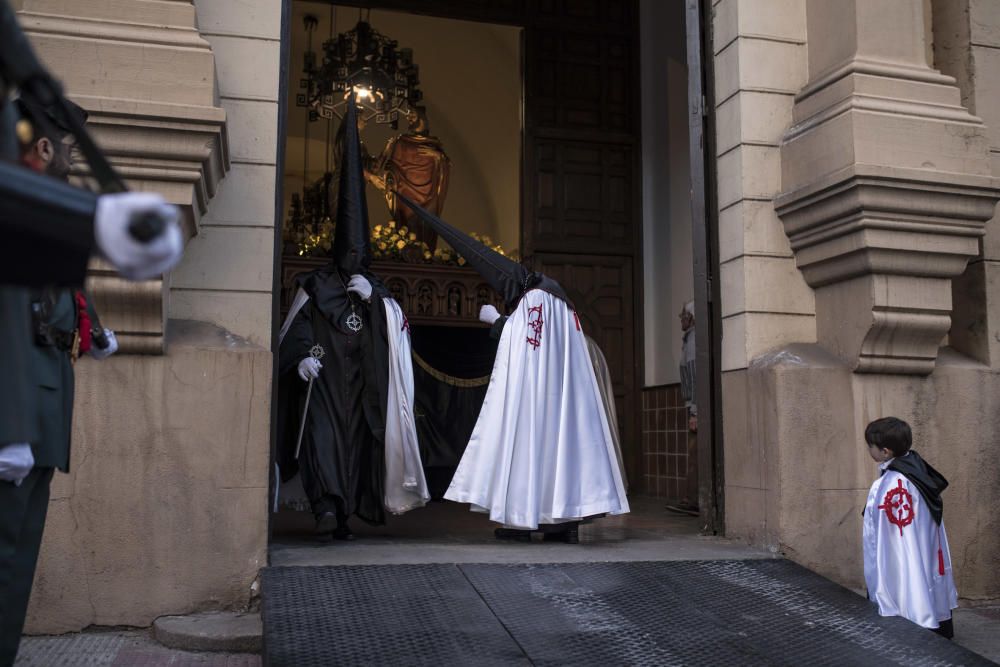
column 929, row 482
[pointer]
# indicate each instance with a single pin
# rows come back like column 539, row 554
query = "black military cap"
column 39, row 113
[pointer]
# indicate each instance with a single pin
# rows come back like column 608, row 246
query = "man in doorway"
column 689, row 502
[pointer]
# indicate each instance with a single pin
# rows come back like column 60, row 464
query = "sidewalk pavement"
column 119, row 648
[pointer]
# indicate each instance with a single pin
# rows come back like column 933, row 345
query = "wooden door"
column 580, row 197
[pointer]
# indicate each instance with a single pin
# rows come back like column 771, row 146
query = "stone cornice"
column 118, row 31
column 873, row 67
column 147, row 77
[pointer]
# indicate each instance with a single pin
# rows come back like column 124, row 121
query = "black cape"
column 929, row 482
column 342, row 457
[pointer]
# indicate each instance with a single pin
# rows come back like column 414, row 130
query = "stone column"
column 967, row 46
column 886, row 185
column 147, row 77
column 760, row 63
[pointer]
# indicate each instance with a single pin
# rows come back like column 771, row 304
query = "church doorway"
column 566, row 128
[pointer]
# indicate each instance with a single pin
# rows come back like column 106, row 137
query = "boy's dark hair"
column 890, row 433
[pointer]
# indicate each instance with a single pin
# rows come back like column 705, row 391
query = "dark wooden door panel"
column 489, row 11
column 579, row 81
column 608, row 16
column 581, row 198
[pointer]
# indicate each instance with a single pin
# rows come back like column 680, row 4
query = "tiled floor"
column 446, row 532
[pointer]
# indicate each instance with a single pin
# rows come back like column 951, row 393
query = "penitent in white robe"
column 541, row 450
column 907, row 561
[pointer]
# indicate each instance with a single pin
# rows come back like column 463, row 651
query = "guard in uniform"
column 64, row 325
column 48, row 231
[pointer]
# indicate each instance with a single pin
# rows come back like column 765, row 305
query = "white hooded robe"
column 907, row 561
column 542, row 449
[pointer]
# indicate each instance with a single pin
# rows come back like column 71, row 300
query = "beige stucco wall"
column 227, row 272
column 165, row 508
column 802, row 417
column 967, row 47
column 796, row 468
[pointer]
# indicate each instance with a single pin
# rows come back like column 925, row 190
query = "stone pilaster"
column 147, row 77
column 886, row 185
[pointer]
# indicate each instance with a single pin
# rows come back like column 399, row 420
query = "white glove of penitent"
column 309, row 368
column 360, row 286
column 98, row 353
column 16, row 462
column 135, row 259
column 489, row 314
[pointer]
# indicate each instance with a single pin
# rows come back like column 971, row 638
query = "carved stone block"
column 147, row 77
column 887, row 186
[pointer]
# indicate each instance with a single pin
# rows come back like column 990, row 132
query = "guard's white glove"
column 16, row 462
column 98, row 353
column 360, row 286
column 134, row 259
column 309, row 368
column 489, row 314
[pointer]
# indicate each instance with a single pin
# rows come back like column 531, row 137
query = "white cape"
column 405, row 485
column 607, row 389
column 907, row 561
column 541, row 450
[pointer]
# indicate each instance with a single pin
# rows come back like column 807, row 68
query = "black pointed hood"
column 351, row 238
column 507, row 277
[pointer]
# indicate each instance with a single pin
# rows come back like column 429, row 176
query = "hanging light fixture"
column 385, row 83
column 383, row 77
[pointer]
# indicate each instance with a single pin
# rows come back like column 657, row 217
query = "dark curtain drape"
column 451, row 372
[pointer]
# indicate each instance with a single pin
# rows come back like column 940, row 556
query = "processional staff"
column 317, row 353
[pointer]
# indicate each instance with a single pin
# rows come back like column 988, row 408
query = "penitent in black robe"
column 342, row 454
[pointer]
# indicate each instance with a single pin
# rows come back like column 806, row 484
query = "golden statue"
column 415, row 164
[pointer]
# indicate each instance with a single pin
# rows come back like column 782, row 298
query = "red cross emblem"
column 535, row 323
column 406, row 324
column 898, row 506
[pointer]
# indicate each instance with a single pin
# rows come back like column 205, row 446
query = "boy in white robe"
column 907, row 561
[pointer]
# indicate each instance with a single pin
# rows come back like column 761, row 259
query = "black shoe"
column 325, row 523
column 568, row 535
column 344, row 533
column 513, row 534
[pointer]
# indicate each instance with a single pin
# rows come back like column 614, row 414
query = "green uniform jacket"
column 52, row 370
column 17, row 423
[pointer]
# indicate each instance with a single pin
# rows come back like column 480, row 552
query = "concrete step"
column 211, row 631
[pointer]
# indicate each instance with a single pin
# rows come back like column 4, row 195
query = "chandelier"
column 383, row 77
column 385, row 83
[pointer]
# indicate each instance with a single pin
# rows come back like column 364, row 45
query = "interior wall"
column 470, row 74
column 666, row 186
